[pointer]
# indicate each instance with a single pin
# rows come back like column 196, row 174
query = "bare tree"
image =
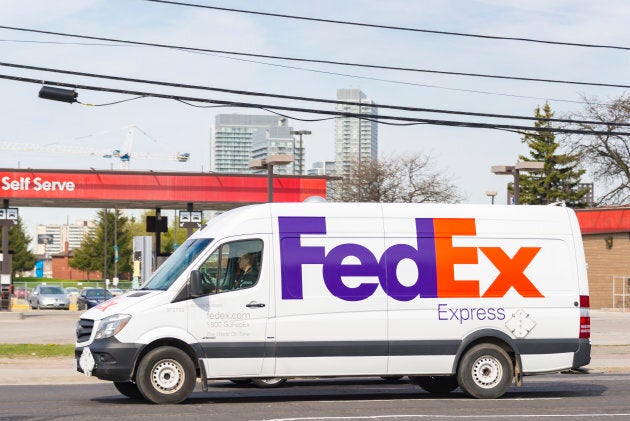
column 607, row 156
column 408, row 179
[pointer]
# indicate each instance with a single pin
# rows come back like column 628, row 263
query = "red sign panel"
column 153, row 186
column 599, row 221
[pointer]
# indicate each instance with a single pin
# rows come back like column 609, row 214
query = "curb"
column 10, row 315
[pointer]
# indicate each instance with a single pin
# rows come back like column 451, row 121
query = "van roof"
column 254, row 219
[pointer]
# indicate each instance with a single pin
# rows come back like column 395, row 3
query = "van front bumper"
column 113, row 360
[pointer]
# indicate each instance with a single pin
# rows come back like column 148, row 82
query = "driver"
column 249, row 272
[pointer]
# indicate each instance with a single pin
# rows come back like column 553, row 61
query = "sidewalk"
column 610, row 338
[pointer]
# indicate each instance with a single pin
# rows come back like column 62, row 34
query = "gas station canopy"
column 149, row 189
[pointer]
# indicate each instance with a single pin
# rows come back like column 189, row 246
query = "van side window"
column 235, row 265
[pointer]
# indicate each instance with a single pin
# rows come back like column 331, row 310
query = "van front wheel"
column 485, row 372
column 166, row 375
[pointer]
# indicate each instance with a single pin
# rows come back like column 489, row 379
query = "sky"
column 465, row 155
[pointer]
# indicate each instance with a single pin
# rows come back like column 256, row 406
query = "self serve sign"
column 434, row 255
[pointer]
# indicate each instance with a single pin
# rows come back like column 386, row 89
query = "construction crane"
column 124, row 153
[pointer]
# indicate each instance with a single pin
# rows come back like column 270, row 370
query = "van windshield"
column 170, row 270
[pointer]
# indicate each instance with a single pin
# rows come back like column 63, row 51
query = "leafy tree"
column 559, row 180
column 607, row 156
column 89, row 257
column 175, row 235
column 408, row 179
column 85, row 257
column 22, row 259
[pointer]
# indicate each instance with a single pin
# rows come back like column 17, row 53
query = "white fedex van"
column 474, row 296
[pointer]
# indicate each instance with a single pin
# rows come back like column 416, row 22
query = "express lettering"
column 464, row 314
column 434, row 255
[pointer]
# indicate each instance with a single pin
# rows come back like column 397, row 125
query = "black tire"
column 241, row 382
column 166, row 375
column 485, row 372
column 269, row 383
column 436, row 384
column 128, row 389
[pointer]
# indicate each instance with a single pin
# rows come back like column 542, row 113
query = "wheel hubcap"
column 487, row 372
column 167, row 376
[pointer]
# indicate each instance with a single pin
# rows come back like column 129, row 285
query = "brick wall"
column 62, row 270
column 604, row 262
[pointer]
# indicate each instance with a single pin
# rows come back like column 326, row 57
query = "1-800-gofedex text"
column 24, row 183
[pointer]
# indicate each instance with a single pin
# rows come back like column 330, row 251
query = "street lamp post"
column 299, row 133
column 268, row 164
column 515, row 171
column 492, row 194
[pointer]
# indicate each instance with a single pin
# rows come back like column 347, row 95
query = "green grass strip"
column 35, row 350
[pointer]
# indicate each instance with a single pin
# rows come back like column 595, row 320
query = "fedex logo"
column 434, row 255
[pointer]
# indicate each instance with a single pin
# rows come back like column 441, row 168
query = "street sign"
column 190, row 219
column 156, row 225
column 12, row 213
column 8, row 216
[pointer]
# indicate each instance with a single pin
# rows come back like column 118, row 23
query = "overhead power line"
column 381, row 119
column 397, row 28
column 353, row 76
column 318, row 61
column 302, row 98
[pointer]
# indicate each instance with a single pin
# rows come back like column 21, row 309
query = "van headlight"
column 111, row 325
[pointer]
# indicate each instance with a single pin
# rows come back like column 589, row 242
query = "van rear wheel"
column 269, row 383
column 485, row 372
column 436, row 384
column 166, row 375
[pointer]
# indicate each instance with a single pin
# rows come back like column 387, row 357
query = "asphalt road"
column 49, row 388
column 572, row 397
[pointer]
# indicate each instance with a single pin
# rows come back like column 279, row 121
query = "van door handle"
column 254, row 304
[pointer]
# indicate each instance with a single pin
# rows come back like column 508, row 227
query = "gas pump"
column 6, row 291
column 142, row 260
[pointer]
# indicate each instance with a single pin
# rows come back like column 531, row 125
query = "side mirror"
column 194, row 284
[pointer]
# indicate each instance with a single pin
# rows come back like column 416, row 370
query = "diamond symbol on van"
column 520, row 324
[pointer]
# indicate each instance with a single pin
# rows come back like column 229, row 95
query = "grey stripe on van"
column 369, row 348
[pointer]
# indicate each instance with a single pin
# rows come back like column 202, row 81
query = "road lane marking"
column 459, row 417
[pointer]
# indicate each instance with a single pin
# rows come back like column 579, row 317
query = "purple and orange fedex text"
column 434, row 255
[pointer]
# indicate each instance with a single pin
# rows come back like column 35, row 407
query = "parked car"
column 116, row 291
column 73, row 294
column 91, row 297
column 20, row 292
column 48, row 296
